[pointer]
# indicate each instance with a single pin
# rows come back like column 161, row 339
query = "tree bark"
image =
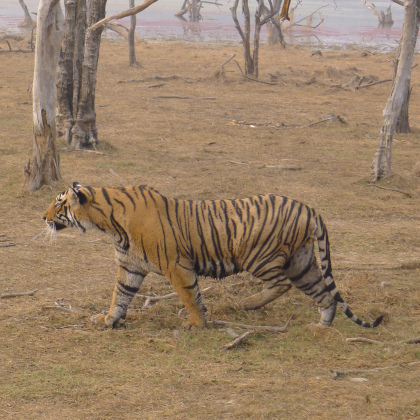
column 381, row 166
column 76, row 81
column 85, row 130
column 44, row 168
column 70, row 68
column 131, row 38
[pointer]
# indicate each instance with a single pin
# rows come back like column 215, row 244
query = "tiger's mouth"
column 54, row 225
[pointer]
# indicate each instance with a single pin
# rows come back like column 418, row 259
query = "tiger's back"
column 269, row 236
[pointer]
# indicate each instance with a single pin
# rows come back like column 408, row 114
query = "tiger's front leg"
column 127, row 285
column 185, row 284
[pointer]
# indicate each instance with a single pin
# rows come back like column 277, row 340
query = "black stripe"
column 193, row 286
column 124, row 191
column 128, row 289
column 106, row 196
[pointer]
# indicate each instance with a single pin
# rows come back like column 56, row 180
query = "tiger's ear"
column 81, row 198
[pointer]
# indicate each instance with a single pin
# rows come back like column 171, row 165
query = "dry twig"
column 235, row 342
column 414, row 340
column 60, row 308
column 286, row 167
column 390, row 189
column 251, row 78
column 253, row 327
column 208, row 98
column 337, row 373
column 17, row 294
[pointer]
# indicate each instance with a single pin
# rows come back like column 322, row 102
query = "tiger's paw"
column 194, row 326
column 103, row 320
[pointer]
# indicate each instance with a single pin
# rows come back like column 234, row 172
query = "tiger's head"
column 69, row 208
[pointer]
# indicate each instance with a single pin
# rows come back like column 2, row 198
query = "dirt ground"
column 181, row 125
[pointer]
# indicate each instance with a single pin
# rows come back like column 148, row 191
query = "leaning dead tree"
column 381, row 166
column 44, row 167
column 385, row 18
column 27, row 22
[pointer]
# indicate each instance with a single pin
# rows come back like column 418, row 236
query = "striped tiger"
column 270, row 237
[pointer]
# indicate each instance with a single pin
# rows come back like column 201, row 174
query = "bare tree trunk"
column 44, row 168
column 85, row 131
column 274, row 33
column 76, row 80
column 131, row 38
column 70, row 68
column 381, row 166
column 251, row 60
column 403, row 125
column 245, row 35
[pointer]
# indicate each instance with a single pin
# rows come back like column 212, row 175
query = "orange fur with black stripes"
column 271, row 237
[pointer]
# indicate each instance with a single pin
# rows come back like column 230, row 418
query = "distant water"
column 345, row 22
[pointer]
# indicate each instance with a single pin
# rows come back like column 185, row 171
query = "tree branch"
column 252, row 327
column 123, row 14
column 12, row 295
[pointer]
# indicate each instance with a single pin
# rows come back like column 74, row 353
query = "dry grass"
column 55, row 364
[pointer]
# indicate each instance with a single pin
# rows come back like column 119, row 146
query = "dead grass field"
column 56, row 364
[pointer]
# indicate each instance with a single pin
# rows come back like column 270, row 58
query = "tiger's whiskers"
column 48, row 232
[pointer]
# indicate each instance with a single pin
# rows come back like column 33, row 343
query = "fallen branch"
column 373, row 84
column 162, row 78
column 251, row 78
column 415, row 340
column 183, row 97
column 286, row 167
column 219, row 72
column 359, row 86
column 363, row 340
column 337, row 373
column 60, row 308
column 253, row 327
column 329, row 117
column 17, row 294
column 390, row 189
column 235, row 342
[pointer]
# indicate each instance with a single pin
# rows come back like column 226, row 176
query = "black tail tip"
column 377, row 321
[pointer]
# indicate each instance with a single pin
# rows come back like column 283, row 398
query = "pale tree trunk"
column 381, row 166
column 131, row 38
column 44, row 168
column 76, row 81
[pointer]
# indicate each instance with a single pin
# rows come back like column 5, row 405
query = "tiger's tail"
column 324, row 256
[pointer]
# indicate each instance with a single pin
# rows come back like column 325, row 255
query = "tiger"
column 271, row 237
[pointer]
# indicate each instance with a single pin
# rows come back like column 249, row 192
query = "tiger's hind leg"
column 126, row 287
column 304, row 273
column 273, row 288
